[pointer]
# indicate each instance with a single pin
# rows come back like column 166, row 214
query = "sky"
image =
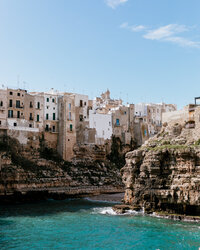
column 141, row 50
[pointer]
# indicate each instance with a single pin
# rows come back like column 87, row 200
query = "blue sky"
column 142, row 50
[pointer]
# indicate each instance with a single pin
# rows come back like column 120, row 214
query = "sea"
column 90, row 224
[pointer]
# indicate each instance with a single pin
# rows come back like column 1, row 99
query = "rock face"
column 164, row 174
column 31, row 174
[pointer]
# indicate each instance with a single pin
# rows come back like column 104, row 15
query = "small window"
column 54, row 116
column 11, row 93
column 117, row 122
column 47, row 107
column 38, row 118
column 15, row 124
column 81, row 118
column 54, row 129
column 47, row 128
column 47, row 116
column 31, row 104
column 70, row 106
column 10, row 113
column 85, row 103
column 38, row 105
column 47, row 99
column 0, row 122
column 68, row 139
column 30, row 125
column 1, row 104
column 31, row 117
column 109, row 123
column 53, row 100
column 17, row 104
column 70, row 115
column 71, row 127
column 125, row 112
column 10, row 103
column 18, row 114
column 18, row 94
column 81, row 103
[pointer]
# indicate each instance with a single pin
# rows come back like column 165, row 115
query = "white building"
column 103, row 125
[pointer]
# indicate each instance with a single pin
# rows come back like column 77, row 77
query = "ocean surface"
column 89, row 224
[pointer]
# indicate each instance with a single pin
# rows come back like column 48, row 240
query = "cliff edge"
column 164, row 174
column 28, row 174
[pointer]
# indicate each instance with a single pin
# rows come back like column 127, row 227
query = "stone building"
column 123, row 123
column 73, row 124
column 3, row 108
column 110, row 118
column 151, row 114
column 67, row 126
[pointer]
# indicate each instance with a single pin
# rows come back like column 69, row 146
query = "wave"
column 110, row 211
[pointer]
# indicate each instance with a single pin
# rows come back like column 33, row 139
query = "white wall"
column 102, row 123
column 84, row 98
column 140, row 109
column 50, row 107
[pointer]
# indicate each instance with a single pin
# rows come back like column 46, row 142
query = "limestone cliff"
column 29, row 174
column 164, row 174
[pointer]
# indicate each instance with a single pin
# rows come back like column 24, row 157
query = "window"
column 47, row 107
column 38, row 118
column 18, row 94
column 31, row 104
column 1, row 103
column 81, row 118
column 85, row 103
column 31, row 117
column 70, row 115
column 70, row 127
column 10, row 103
column 117, row 122
column 53, row 100
column 47, row 128
column 18, row 114
column 54, row 129
column 17, row 104
column 125, row 112
column 47, row 116
column 11, row 93
column 0, row 122
column 70, row 106
column 30, row 125
column 54, row 116
column 81, row 103
column 15, row 124
column 10, row 113
column 109, row 123
column 38, row 105
column 47, row 99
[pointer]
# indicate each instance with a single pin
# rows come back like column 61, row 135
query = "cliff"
column 30, row 174
column 164, row 174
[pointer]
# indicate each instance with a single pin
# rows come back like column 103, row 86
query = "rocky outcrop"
column 164, row 174
column 29, row 174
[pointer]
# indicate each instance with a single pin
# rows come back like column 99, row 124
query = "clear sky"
column 142, row 50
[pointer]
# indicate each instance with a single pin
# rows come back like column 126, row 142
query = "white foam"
column 110, row 211
column 103, row 210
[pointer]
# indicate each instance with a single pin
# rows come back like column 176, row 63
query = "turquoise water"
column 84, row 224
